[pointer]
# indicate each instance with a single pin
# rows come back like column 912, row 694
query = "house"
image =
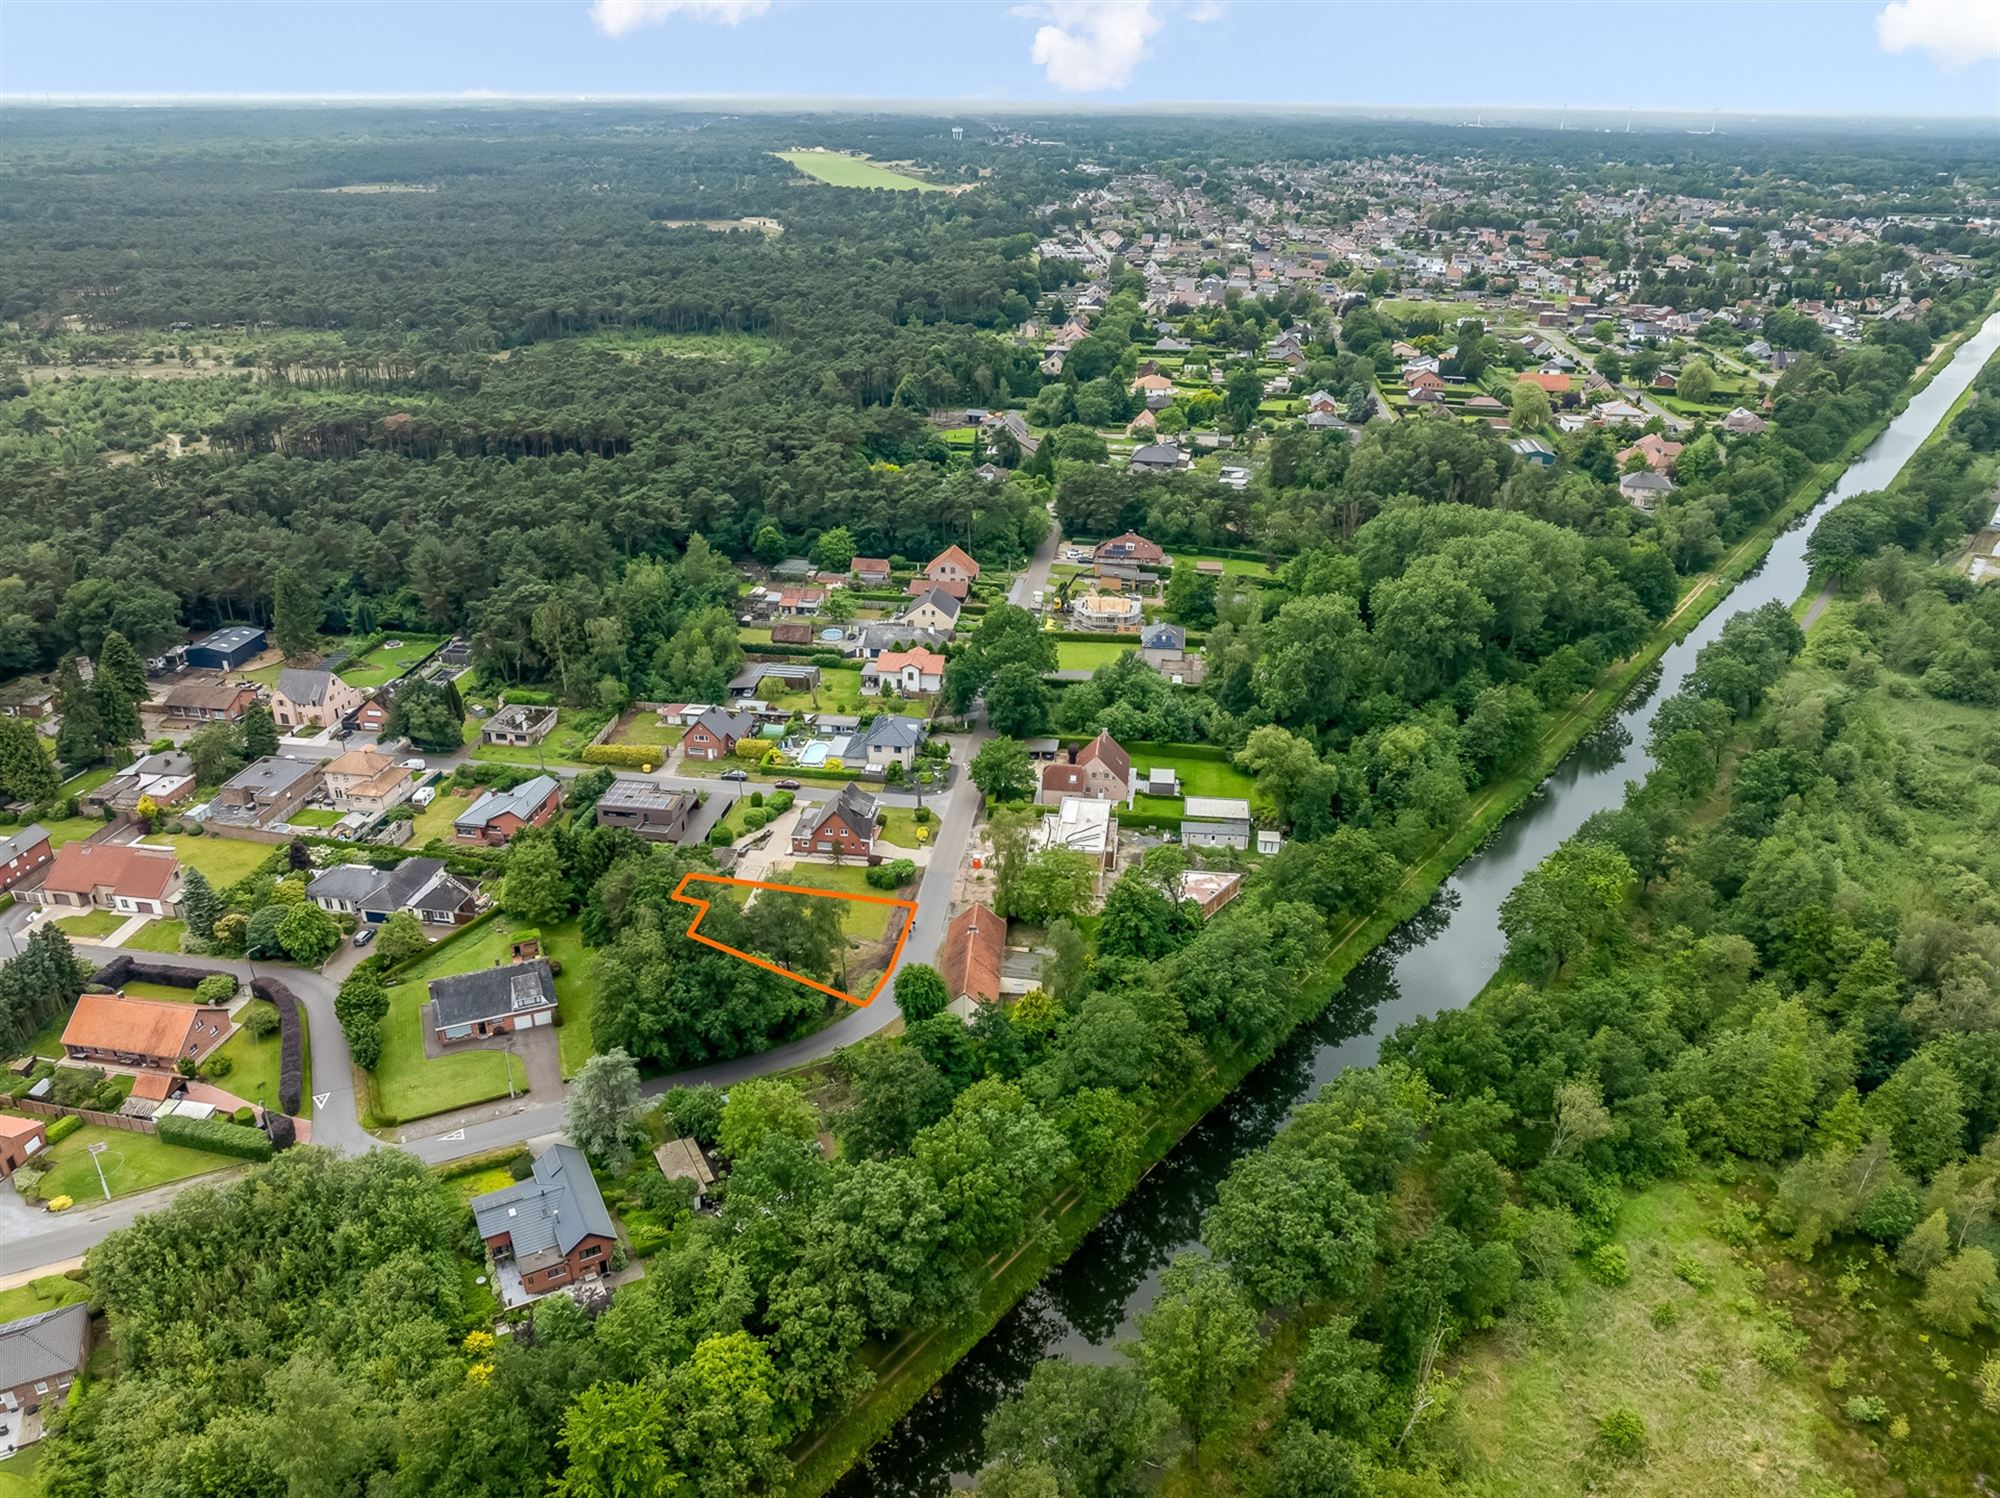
column 1555, row 383
column 126, row 877
column 1645, row 489
column 870, row 572
column 716, row 733
column 1155, row 457
column 21, row 1139
column 843, row 825
column 909, row 672
column 373, row 715
column 40, row 1357
column 644, row 807
column 367, row 781
column 493, row 1000
column 1215, row 822
column 952, row 565
column 551, row 1229
column 868, row 641
column 422, row 886
column 682, row 1160
column 1209, row 889
column 265, row 792
column 496, row 816
column 1658, row 453
column 226, row 649
column 21, row 853
column 312, row 699
column 1099, row 770
column 1743, row 423
column 974, row 943
column 1153, row 384
column 800, row 600
column 1427, row 380
column 1130, row 547
column 520, row 724
column 208, row 701
column 28, row 697
column 1534, row 450
column 1164, row 648
column 110, row 1029
column 1083, row 825
column 936, row 610
column 889, row 740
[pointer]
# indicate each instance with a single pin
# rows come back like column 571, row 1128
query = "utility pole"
column 95, row 1151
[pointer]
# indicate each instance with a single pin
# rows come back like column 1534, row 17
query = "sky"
column 1897, row 57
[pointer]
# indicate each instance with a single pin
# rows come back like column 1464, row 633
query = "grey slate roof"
column 940, row 599
column 555, row 1208
column 273, row 775
column 20, row 842
column 851, row 804
column 1163, row 637
column 43, row 1347
column 521, row 801
column 492, row 992
column 352, row 882
column 889, row 731
column 416, row 878
column 304, row 687
column 726, row 724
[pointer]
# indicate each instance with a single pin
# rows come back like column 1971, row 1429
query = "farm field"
column 388, row 661
column 837, row 169
column 132, row 1163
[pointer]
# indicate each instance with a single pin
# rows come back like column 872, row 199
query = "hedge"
column 63, row 1127
column 632, row 756
column 124, row 968
column 214, row 1135
column 291, row 1043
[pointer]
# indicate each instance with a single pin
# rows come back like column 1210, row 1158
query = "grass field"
column 71, row 829
column 139, row 988
column 161, row 935
column 50, row 1292
column 646, row 728
column 435, row 820
column 1088, row 655
column 253, row 1071
column 315, row 816
column 1199, row 777
column 86, row 927
column 838, row 170
column 861, row 921
column 384, row 663
column 222, row 860
column 132, row 1163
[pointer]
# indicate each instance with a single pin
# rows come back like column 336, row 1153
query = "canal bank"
column 1413, row 959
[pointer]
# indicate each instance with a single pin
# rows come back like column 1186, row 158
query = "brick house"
column 496, row 816
column 367, row 780
column 842, row 825
column 912, row 672
column 553, row 1229
column 40, row 1357
column 1101, row 770
column 21, row 853
column 110, row 1029
column 265, row 792
column 493, row 1001
column 126, row 877
column 21, row 1139
column 1130, row 547
column 969, row 961
column 208, row 701
column 311, row 699
column 952, row 566
column 716, row 733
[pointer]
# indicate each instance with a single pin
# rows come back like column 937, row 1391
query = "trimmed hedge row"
column 291, row 1042
column 63, row 1127
column 125, row 968
column 215, row 1136
column 632, row 756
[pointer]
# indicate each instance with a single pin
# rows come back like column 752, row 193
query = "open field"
column 1088, row 655
column 253, row 1071
column 837, row 169
column 161, row 935
column 632, row 344
column 132, row 1163
column 390, row 660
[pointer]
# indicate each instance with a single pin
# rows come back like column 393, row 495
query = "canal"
column 1438, row 960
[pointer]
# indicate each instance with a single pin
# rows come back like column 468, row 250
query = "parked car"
column 364, row 936
column 789, row 785
column 423, row 795
column 413, row 764
column 735, row 774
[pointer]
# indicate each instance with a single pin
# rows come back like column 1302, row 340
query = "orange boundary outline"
column 701, row 909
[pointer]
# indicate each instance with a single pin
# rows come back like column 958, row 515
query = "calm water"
column 1436, row 961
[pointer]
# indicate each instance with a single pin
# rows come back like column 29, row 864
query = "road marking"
column 321, row 1099
column 454, row 1134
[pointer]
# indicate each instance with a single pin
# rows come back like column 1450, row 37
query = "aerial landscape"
column 1081, row 750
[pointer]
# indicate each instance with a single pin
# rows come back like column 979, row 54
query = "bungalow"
column 208, row 701
column 496, row 816
column 911, row 672
column 889, row 740
column 649, row 809
column 1149, row 383
column 367, row 781
column 1215, row 822
column 952, row 565
column 796, row 600
column 21, row 853
column 937, row 610
column 1099, row 770
column 1645, row 489
column 265, row 792
column 1155, row 457
column 520, row 725
column 422, row 886
column 792, row 632
column 1425, row 379
column 870, row 572
column 716, row 733
column 1550, row 383
column 126, row 877
column 312, row 699
column 493, row 1001
column 974, row 943
column 551, row 1229
column 841, row 826
column 167, row 778
column 226, row 649
column 110, row 1029
column 1130, row 547
column 40, row 1357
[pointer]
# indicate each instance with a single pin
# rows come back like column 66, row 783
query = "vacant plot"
column 90, row 927
column 161, row 935
column 389, row 660
column 131, row 1162
column 223, row 861
column 1088, row 655
column 253, row 1069
column 646, row 728
column 837, row 169
column 860, row 920
column 900, row 827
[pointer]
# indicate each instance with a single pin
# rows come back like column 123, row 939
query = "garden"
column 253, row 1063
column 131, row 1162
column 576, row 729
column 389, row 660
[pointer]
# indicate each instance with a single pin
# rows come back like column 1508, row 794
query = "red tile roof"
column 954, row 554
column 124, row 868
column 970, row 961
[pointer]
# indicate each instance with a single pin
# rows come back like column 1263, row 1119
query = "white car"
column 414, row 764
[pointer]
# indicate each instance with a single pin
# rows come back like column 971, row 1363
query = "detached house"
column 126, row 877
column 159, row 1034
column 910, row 672
column 21, row 853
column 265, row 792
column 843, row 825
column 649, row 809
column 953, row 570
column 496, row 816
column 367, row 780
column 312, row 699
column 889, row 740
column 936, row 610
column 716, row 733
column 422, row 886
column 1131, row 548
column 550, row 1230
column 1658, row 453
column 40, row 1357
column 208, row 701
column 1100, row 770
column 870, row 572
column 493, row 1001
column 969, row 962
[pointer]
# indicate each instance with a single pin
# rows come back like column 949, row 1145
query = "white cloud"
column 616, row 17
column 1089, row 45
column 1209, row 10
column 1955, row 32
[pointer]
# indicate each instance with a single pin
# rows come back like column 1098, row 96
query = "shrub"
column 720, row 836
column 260, row 1019
column 756, row 798
column 892, row 875
column 1609, row 1265
column 755, row 818
column 216, row 1135
column 218, row 1067
column 63, row 1127
column 631, row 756
column 1866, row 1409
column 1622, row 1433
column 291, row 1030
column 1665, row 1314
column 27, row 1180
column 1692, row 1270
column 216, row 988
column 779, row 801
column 60, row 1203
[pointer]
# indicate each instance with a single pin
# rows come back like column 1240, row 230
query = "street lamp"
column 96, row 1150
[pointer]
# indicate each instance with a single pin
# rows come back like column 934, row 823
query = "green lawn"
column 253, row 1071
column 646, row 728
column 466, row 1187
column 139, row 988
column 87, row 927
column 47, row 1041
column 838, row 170
column 71, row 829
column 575, row 728
column 899, row 826
column 1088, row 655
column 161, row 935
column 1199, row 777
column 861, row 922
column 222, row 860
column 49, row 1293
column 383, row 664
column 17, row 1474
column 315, row 816
column 1231, row 566
column 132, row 1162
column 435, row 820
column 87, row 780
